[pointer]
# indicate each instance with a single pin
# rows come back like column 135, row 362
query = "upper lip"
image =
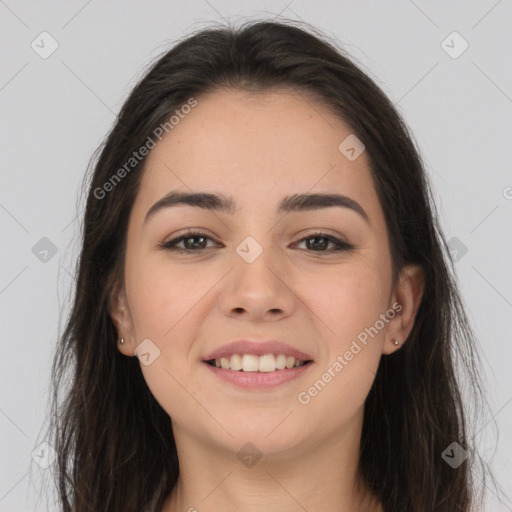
column 257, row 348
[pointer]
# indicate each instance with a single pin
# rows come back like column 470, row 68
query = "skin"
column 257, row 149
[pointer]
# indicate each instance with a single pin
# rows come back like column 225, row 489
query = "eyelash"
column 171, row 245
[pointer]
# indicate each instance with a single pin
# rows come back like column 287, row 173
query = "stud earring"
column 396, row 342
column 121, row 341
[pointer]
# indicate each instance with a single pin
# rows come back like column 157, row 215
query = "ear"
column 119, row 311
column 406, row 299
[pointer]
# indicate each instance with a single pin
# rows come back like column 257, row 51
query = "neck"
column 314, row 477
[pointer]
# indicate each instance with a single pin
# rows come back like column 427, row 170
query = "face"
column 312, row 275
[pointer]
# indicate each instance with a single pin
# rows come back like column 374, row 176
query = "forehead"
column 255, row 146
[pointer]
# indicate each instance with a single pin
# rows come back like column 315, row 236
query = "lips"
column 256, row 348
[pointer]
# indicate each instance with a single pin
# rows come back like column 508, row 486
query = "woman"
column 264, row 315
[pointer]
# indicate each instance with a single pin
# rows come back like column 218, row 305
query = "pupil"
column 316, row 245
column 193, row 238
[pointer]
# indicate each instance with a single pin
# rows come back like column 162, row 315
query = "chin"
column 267, row 432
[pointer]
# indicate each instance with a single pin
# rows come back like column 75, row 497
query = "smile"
column 257, row 373
column 253, row 363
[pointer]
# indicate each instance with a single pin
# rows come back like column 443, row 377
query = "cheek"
column 347, row 301
column 165, row 306
column 161, row 298
column 349, row 304
column 168, row 307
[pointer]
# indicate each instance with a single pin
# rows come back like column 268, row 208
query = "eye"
column 319, row 242
column 193, row 241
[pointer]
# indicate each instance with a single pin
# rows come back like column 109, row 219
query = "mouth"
column 257, row 365
column 266, row 363
column 257, row 373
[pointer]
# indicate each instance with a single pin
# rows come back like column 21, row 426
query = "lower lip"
column 258, row 380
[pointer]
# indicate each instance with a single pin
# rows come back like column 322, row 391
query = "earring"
column 121, row 341
column 396, row 342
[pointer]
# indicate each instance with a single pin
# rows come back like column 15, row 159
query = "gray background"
column 55, row 112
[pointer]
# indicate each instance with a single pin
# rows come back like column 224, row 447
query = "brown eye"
column 319, row 242
column 192, row 242
column 197, row 241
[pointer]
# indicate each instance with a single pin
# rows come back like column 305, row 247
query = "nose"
column 258, row 291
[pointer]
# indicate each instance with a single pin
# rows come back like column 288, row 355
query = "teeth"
column 267, row 363
column 236, row 362
column 281, row 362
column 252, row 363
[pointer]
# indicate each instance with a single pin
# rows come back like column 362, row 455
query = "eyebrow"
column 222, row 203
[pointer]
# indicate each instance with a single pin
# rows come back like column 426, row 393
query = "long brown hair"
column 115, row 445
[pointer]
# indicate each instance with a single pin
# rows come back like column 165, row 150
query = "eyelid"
column 339, row 241
column 171, row 244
